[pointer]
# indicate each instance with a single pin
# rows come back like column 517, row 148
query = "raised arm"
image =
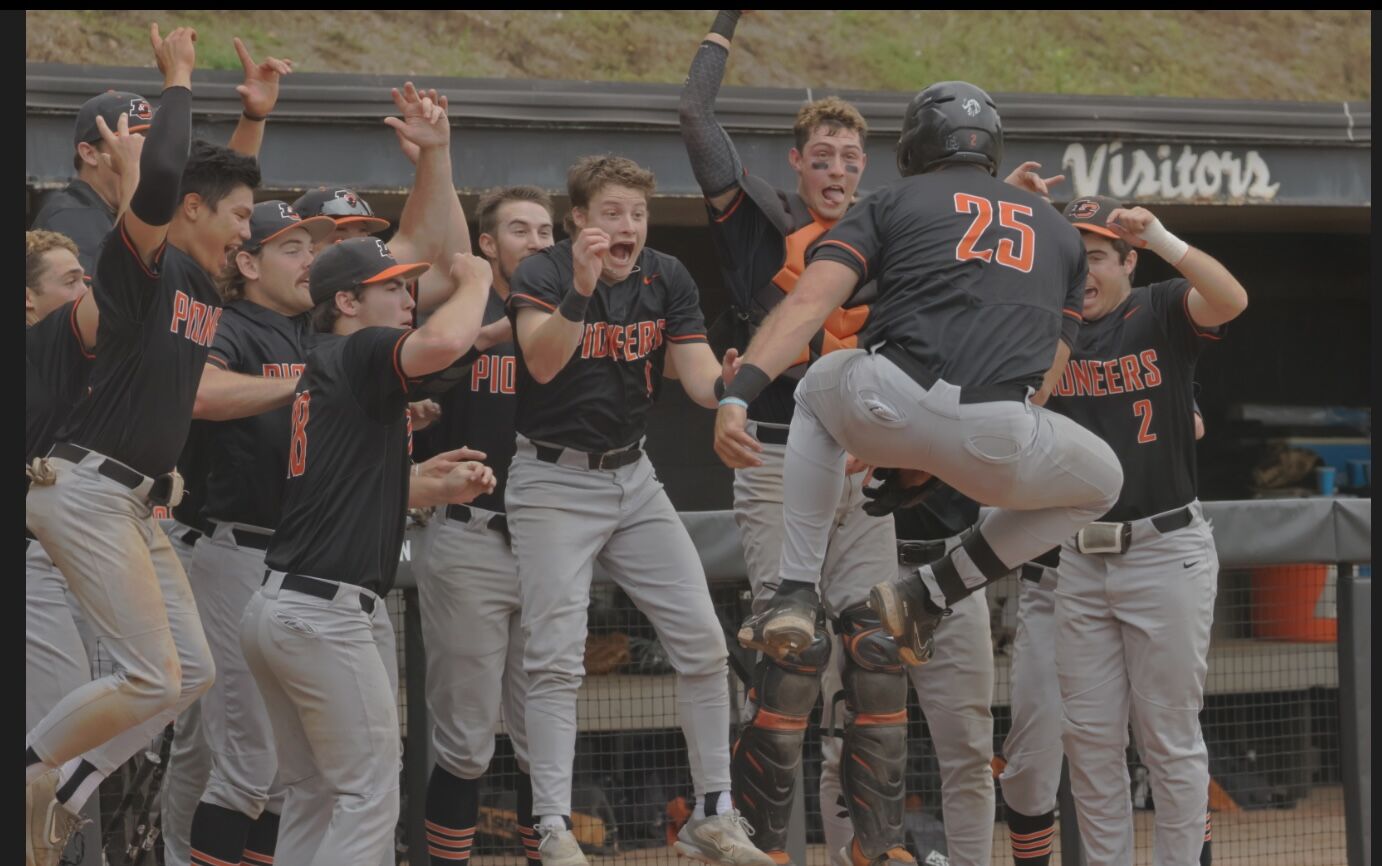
column 426, row 219
column 452, row 329
column 1216, row 297
column 714, row 160
column 549, row 339
column 156, row 198
column 258, row 96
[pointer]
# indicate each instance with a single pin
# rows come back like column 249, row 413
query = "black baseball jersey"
column 346, row 494
column 56, row 366
column 976, row 279
column 157, row 323
column 248, row 457
column 1130, row 380
column 78, row 212
column 599, row 401
column 751, row 252
column 478, row 412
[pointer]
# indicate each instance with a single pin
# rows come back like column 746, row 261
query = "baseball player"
column 58, row 357
column 979, row 287
column 1134, row 599
column 84, row 210
column 317, row 637
column 596, row 318
column 113, row 458
column 763, row 236
column 468, row 579
column 255, row 361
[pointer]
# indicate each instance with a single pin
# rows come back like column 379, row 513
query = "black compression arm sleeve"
column 163, row 159
column 713, row 158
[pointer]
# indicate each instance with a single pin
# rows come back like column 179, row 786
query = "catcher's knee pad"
column 766, row 756
column 874, row 757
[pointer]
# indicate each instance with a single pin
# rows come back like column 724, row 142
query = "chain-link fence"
column 1271, row 721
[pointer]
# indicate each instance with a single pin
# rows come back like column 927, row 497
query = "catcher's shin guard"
column 765, row 758
column 874, row 756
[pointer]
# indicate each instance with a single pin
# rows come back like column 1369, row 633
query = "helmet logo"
column 971, row 106
column 974, row 139
column 1085, row 209
column 952, row 143
column 286, row 212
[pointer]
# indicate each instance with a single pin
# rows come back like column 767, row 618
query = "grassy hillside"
column 1235, row 55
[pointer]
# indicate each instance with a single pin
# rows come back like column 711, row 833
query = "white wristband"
column 1164, row 244
column 733, row 401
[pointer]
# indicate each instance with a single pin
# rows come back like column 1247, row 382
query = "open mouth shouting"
column 834, row 194
column 620, row 255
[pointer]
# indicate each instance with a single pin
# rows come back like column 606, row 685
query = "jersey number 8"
column 297, row 448
column 1016, row 255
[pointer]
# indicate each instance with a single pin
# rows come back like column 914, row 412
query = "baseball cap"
column 111, row 105
column 272, row 218
column 357, row 262
column 342, row 205
column 1090, row 213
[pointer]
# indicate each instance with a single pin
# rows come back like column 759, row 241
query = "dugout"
column 1281, row 192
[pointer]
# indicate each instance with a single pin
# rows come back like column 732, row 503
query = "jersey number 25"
column 1010, row 254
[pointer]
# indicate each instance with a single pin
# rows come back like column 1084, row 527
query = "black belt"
column 326, row 589
column 607, row 460
column 772, row 435
column 919, row 552
column 159, row 493
column 1170, row 522
column 497, row 522
column 188, row 536
column 968, row 394
column 250, row 538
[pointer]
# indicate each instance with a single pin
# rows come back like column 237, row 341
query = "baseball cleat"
column 559, row 847
column 721, row 840
column 904, row 608
column 899, row 856
column 786, row 626
column 40, row 796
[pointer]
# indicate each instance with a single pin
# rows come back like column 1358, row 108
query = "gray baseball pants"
column 1032, row 749
column 564, row 517
column 1132, row 644
column 328, row 672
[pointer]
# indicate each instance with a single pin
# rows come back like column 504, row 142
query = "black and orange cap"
column 357, row 262
column 272, row 218
column 1090, row 214
column 111, row 105
column 342, row 205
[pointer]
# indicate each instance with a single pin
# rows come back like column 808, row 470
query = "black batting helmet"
column 952, row 121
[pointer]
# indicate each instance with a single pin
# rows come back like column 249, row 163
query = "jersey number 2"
column 297, row 448
column 1143, row 409
column 1016, row 255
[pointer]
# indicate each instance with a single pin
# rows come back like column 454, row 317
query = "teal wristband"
column 733, row 401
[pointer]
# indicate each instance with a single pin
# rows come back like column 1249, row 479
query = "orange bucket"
column 1295, row 603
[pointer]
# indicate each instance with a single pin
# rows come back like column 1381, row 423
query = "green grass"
column 1304, row 55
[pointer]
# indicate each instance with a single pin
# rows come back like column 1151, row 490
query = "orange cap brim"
column 318, row 227
column 1097, row 229
column 406, row 272
column 371, row 224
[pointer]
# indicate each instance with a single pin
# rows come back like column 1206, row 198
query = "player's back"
column 977, row 278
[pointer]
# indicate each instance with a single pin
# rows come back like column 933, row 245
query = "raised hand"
column 259, row 93
column 588, row 259
column 122, row 147
column 175, row 55
column 1026, row 177
column 424, row 123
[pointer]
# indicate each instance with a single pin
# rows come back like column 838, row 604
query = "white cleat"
column 559, row 847
column 722, row 840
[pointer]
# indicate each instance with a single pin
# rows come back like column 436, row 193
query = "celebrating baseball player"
column 317, row 637
column 1134, row 599
column 467, row 573
column 92, row 500
column 596, row 317
column 979, row 289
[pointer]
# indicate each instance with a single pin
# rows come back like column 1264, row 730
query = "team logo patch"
column 139, row 109
column 349, row 197
column 383, row 250
column 285, row 211
column 952, row 143
column 1084, row 210
column 971, row 106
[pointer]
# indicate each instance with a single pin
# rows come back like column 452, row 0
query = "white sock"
column 90, row 780
column 556, row 821
column 699, row 812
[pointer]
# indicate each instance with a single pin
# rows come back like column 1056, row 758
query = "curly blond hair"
column 834, row 114
column 38, row 242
